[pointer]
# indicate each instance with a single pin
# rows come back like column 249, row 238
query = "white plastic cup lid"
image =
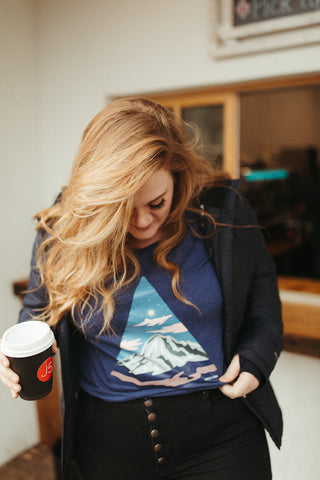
column 26, row 339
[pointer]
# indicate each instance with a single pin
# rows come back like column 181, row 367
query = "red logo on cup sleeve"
column 45, row 370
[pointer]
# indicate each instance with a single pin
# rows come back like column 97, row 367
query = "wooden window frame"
column 230, row 103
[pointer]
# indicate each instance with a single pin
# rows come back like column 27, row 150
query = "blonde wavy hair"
column 85, row 255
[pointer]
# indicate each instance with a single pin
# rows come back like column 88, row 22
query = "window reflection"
column 279, row 133
column 209, row 120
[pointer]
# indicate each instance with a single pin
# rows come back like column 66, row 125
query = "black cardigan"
column 252, row 311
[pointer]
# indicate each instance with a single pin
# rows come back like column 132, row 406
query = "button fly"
column 152, row 416
column 154, row 433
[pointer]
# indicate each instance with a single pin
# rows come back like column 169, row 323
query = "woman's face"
column 151, row 207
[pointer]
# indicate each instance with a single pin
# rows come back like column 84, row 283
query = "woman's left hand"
column 239, row 384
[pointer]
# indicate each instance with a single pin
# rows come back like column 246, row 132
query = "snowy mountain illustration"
column 162, row 353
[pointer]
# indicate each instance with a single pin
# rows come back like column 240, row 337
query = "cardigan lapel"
column 220, row 251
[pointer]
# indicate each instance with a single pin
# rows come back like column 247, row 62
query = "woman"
column 164, row 302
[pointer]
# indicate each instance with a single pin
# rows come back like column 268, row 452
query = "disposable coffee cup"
column 28, row 346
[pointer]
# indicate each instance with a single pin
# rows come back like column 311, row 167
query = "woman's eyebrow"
column 157, row 198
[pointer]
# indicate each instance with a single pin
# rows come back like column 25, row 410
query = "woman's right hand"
column 8, row 376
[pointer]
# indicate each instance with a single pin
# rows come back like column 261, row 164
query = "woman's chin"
column 143, row 239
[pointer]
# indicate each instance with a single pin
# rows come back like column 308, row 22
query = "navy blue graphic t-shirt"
column 160, row 345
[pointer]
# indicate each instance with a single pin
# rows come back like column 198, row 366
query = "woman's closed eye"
column 155, row 206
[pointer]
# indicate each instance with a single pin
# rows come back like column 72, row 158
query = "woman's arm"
column 34, row 300
column 36, row 296
column 260, row 338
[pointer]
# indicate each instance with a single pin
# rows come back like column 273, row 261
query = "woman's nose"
column 141, row 218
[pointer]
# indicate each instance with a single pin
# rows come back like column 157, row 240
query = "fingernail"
column 16, row 388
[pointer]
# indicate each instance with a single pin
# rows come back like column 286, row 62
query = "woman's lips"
column 141, row 229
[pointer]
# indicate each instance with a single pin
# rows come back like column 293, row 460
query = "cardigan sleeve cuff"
column 247, row 366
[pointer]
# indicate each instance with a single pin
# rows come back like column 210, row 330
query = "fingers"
column 9, row 377
column 4, row 361
column 232, row 371
column 14, row 393
column 54, row 347
column 238, row 385
column 245, row 384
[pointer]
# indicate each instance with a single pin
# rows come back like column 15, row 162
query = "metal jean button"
column 152, row 416
column 154, row 433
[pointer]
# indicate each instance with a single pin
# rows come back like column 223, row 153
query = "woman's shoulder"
column 221, row 195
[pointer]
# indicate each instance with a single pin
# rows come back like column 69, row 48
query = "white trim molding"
column 279, row 30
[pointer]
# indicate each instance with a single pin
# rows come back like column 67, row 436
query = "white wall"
column 296, row 382
column 81, row 53
column 21, row 188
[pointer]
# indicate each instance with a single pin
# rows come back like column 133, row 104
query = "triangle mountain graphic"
column 155, row 341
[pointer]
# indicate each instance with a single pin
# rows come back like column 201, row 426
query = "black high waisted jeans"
column 197, row 436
